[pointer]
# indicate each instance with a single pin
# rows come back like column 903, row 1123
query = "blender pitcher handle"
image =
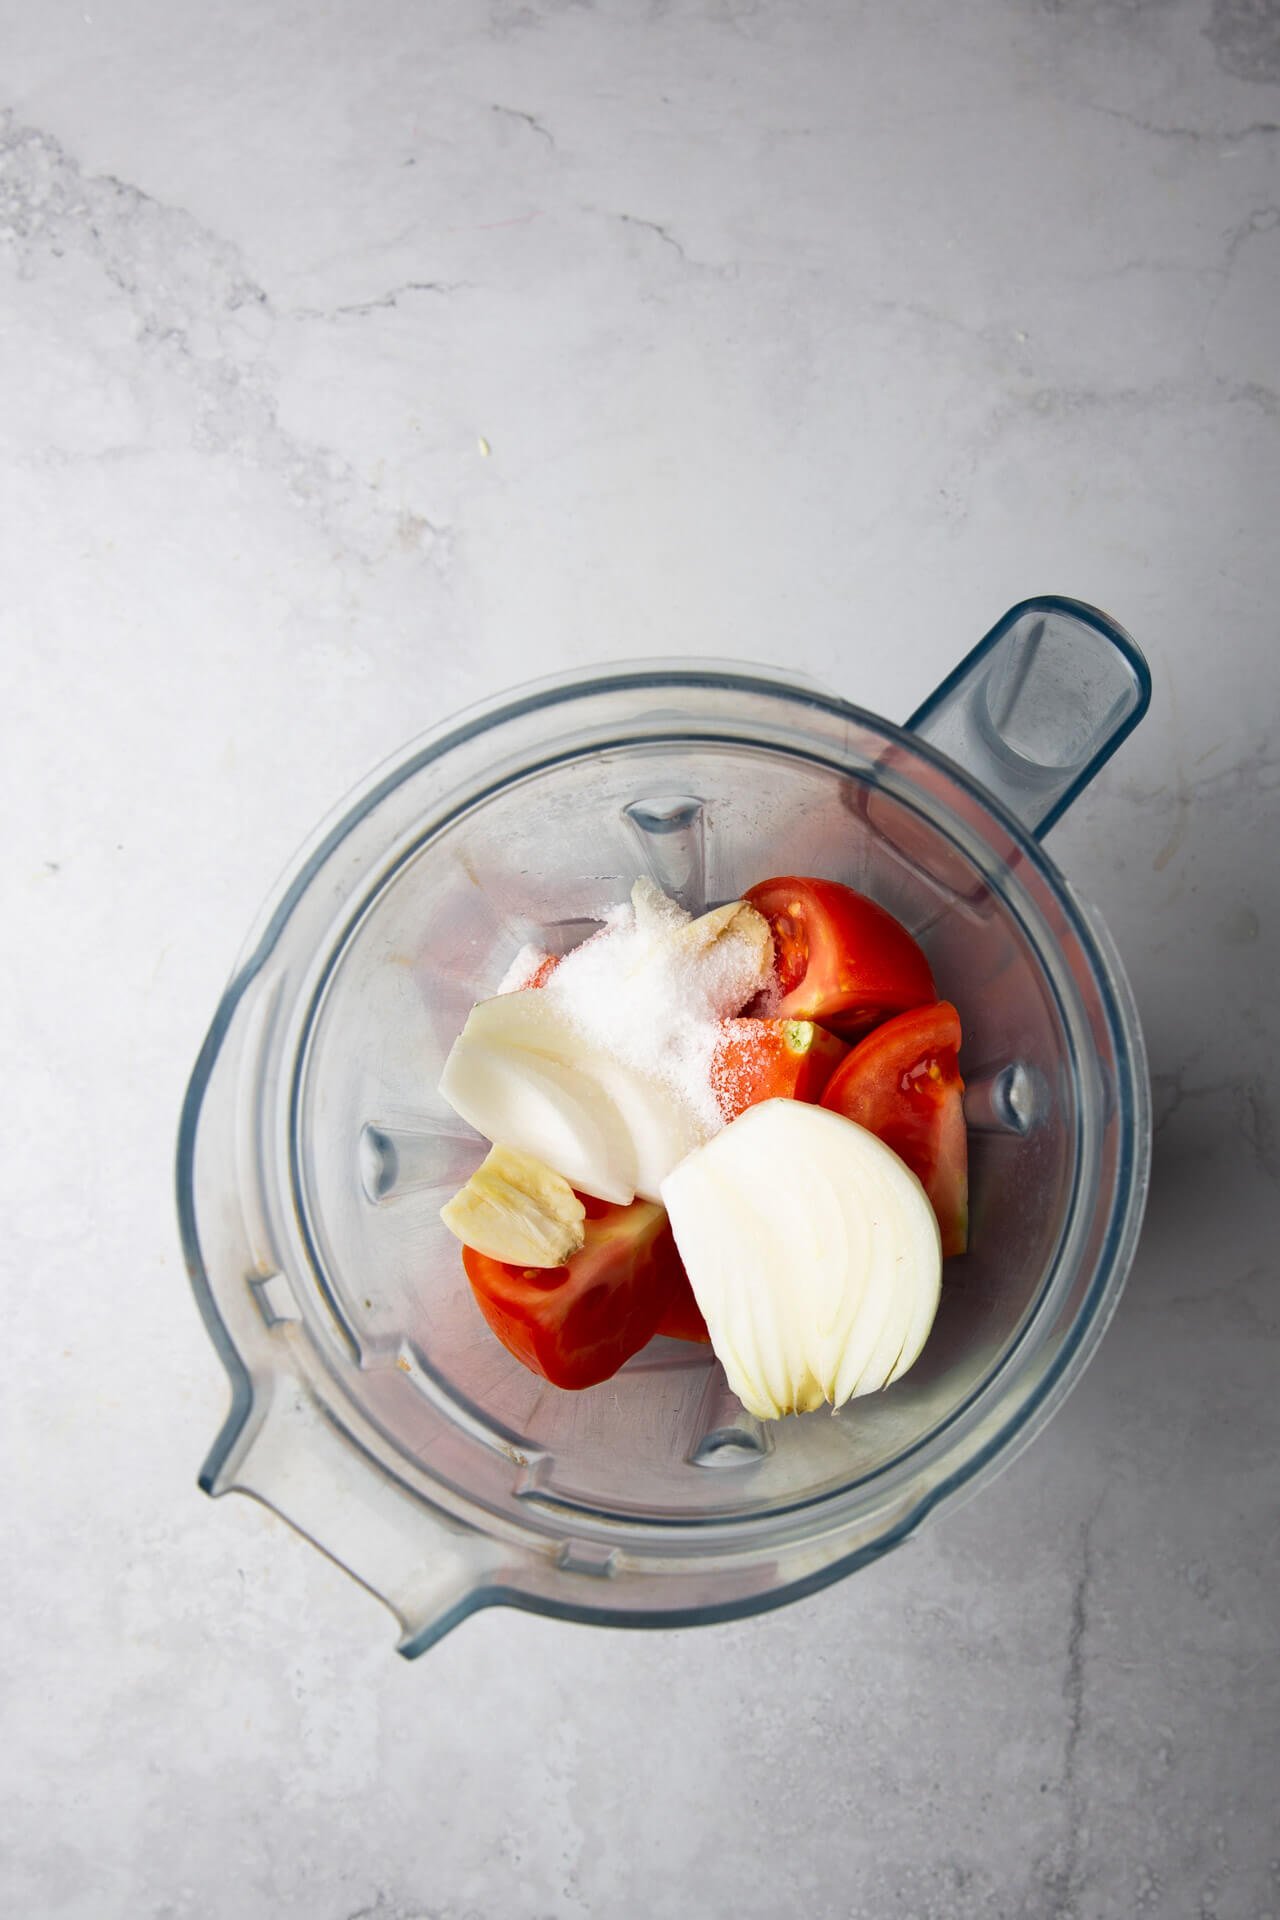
column 1039, row 705
column 279, row 1441
column 429, row 1570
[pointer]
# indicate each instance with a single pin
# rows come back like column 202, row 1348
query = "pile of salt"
column 653, row 1001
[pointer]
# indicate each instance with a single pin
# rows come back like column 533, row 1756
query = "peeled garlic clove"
column 813, row 1253
column 738, row 921
column 737, row 934
column 729, row 953
column 516, row 1208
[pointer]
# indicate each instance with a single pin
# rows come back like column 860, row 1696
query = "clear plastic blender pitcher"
column 372, row 1407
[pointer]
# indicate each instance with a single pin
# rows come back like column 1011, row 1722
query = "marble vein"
column 663, row 234
column 381, row 302
column 1250, row 1112
column 1064, row 1880
column 1257, row 221
column 1253, row 770
column 1210, row 137
column 529, row 120
column 206, row 322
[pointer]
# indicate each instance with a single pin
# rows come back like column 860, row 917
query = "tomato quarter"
column 683, row 1319
column 903, row 1084
column 841, row 959
column 576, row 1324
column 772, row 1059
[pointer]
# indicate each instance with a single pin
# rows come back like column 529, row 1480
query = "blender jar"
column 372, row 1407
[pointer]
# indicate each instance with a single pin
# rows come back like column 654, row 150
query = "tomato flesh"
column 576, row 1324
column 771, row 1060
column 840, row 958
column 682, row 1318
column 903, row 1084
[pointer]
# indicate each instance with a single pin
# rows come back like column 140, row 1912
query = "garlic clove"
column 516, row 1208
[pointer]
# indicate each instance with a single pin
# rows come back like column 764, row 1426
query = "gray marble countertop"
column 361, row 360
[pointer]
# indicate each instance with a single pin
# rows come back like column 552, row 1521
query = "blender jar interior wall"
column 372, row 1150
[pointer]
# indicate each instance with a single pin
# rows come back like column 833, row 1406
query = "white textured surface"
column 819, row 332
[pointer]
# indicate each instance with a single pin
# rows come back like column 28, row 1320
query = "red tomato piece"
column 543, row 971
column 903, row 1084
column 840, row 958
column 772, row 1060
column 683, row 1319
column 576, row 1324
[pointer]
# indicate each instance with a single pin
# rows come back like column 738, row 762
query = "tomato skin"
column 770, row 1060
column 903, row 1084
column 841, row 959
column 577, row 1324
